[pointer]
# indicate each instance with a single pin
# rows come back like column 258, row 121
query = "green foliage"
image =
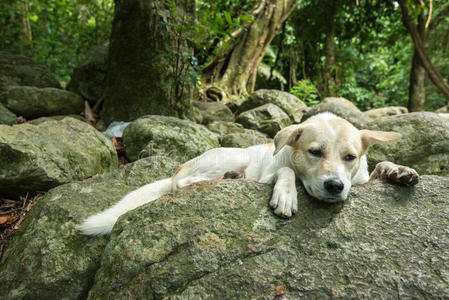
column 62, row 31
column 306, row 92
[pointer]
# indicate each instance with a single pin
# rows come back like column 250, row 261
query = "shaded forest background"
column 356, row 49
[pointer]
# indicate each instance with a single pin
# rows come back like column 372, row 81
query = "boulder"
column 21, row 70
column 444, row 109
column 31, row 102
column 54, row 118
column 6, row 116
column 386, row 111
column 213, row 111
column 220, row 240
column 151, row 135
column 48, row 258
column 286, row 101
column 243, row 140
column 88, row 80
column 444, row 116
column 342, row 101
column 39, row 157
column 424, row 145
column 267, row 118
column 222, row 128
column 357, row 118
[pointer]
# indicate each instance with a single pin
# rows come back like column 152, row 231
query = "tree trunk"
column 149, row 61
column 417, row 92
column 433, row 73
column 293, row 53
column 234, row 69
column 329, row 81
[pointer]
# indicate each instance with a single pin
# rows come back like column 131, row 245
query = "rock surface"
column 286, row 101
column 267, row 118
column 386, row 111
column 213, row 111
column 357, row 118
column 220, row 240
column 21, row 70
column 48, row 258
column 37, row 158
column 152, row 135
column 243, row 140
column 342, row 101
column 6, row 116
column 424, row 145
column 88, row 80
column 31, row 102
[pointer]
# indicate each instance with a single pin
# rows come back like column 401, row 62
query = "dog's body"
column 325, row 152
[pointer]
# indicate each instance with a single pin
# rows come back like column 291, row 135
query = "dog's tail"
column 102, row 223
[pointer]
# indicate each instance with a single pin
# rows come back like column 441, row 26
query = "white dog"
column 327, row 153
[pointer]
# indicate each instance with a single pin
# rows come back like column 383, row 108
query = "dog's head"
column 327, row 153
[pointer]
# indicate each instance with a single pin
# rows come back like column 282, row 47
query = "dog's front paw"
column 396, row 174
column 284, row 202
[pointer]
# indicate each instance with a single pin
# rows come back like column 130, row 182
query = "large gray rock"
column 48, row 258
column 386, row 111
column 6, row 116
column 286, row 101
column 211, row 239
column 37, row 158
column 424, row 145
column 342, row 101
column 357, row 118
column 88, row 80
column 21, row 70
column 243, row 140
column 267, row 118
column 152, row 135
column 31, row 102
column 213, row 111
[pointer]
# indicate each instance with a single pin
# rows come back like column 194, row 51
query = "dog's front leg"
column 396, row 174
column 284, row 199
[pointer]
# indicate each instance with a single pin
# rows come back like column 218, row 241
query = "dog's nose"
column 334, row 186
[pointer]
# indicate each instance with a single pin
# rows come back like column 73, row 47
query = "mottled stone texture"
column 31, row 102
column 267, row 118
column 6, row 116
column 149, row 62
column 39, row 157
column 151, row 135
column 21, row 70
column 357, row 118
column 424, row 145
column 286, row 101
column 220, row 240
column 48, row 258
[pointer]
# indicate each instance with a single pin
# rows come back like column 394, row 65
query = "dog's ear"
column 287, row 136
column 370, row 137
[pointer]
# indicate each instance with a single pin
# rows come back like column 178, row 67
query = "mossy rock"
column 162, row 135
column 40, row 157
column 21, row 70
column 289, row 103
column 48, row 258
column 32, row 102
column 220, row 240
column 7, row 117
column 424, row 145
column 357, row 118
column 213, row 111
column 267, row 118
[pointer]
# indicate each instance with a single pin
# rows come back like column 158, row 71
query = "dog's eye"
column 349, row 157
column 316, row 152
